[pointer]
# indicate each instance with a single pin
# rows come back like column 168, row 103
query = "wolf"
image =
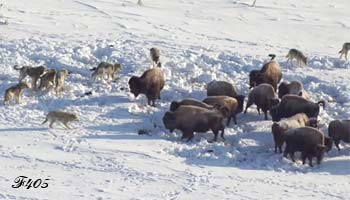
column 59, row 80
column 105, row 68
column 61, row 116
column 15, row 91
column 298, row 55
column 344, row 50
column 33, row 72
column 155, row 54
column 48, row 79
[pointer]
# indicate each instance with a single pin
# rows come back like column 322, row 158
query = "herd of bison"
column 294, row 116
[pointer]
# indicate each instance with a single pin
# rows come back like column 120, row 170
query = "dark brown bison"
column 150, row 83
column 339, row 130
column 221, row 88
column 270, row 73
column 230, row 103
column 307, row 140
column 263, row 96
column 189, row 102
column 293, row 104
column 296, row 121
column 190, row 119
column 294, row 87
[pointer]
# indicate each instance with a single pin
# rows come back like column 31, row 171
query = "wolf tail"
column 45, row 121
column 93, row 69
column 16, row 67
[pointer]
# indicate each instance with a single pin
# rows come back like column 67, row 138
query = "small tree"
column 253, row 5
column 139, row 2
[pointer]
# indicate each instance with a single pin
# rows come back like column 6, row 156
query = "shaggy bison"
column 307, row 140
column 270, row 73
column 150, row 83
column 339, row 130
column 293, row 104
column 231, row 104
column 190, row 119
column 296, row 121
column 263, row 96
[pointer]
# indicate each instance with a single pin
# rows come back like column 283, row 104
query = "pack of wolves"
column 294, row 116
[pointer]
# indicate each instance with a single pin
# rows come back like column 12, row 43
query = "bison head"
column 174, row 105
column 253, row 78
column 169, row 121
column 240, row 99
column 272, row 103
column 313, row 122
column 328, row 142
column 224, row 111
column 282, row 90
column 275, row 114
column 320, row 150
column 134, row 84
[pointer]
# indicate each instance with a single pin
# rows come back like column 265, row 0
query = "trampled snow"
column 104, row 157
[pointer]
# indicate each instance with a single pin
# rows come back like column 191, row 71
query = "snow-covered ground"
column 103, row 157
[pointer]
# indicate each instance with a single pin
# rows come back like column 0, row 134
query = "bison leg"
column 234, row 119
column 190, row 136
column 222, row 135
column 265, row 112
column 258, row 110
column 286, row 151
column 319, row 158
column 275, row 148
column 228, row 121
column 336, row 142
column 303, row 157
column 249, row 103
column 280, row 148
column 292, row 156
column 310, row 160
column 216, row 132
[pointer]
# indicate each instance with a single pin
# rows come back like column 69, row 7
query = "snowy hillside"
column 103, row 157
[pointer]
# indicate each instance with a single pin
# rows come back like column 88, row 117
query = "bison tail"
column 93, row 69
column 322, row 103
column 272, row 56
